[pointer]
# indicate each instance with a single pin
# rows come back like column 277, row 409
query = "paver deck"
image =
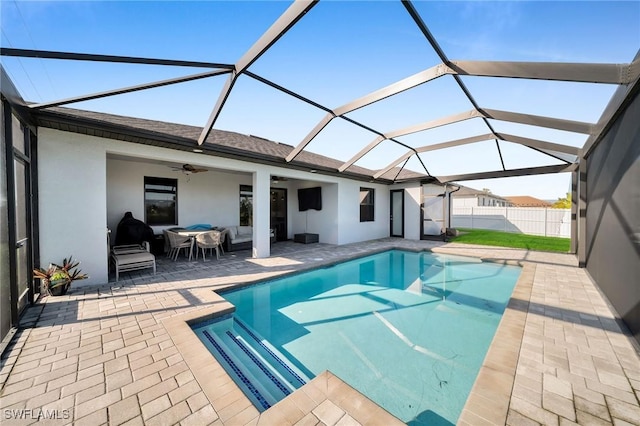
column 107, row 354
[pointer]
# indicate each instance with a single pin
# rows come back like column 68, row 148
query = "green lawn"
column 505, row 239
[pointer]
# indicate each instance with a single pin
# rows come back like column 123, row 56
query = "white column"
column 261, row 214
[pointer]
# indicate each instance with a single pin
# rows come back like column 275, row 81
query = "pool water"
column 408, row 330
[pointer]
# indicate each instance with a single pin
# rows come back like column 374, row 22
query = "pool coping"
column 487, row 403
column 325, row 397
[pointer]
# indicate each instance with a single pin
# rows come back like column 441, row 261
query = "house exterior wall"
column 72, row 184
column 412, row 193
column 613, row 215
column 322, row 222
column 211, row 197
column 350, row 229
column 86, row 186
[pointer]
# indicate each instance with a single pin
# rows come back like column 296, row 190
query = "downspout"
column 445, row 190
column 444, row 213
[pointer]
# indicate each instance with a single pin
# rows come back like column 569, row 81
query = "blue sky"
column 338, row 52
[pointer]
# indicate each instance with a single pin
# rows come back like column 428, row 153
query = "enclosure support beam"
column 446, row 62
column 129, row 89
column 47, row 54
column 434, row 147
column 554, row 71
column 536, row 120
column 562, row 168
column 616, row 105
column 378, row 95
column 582, row 213
column 574, row 212
column 535, row 143
column 288, row 19
column 307, row 139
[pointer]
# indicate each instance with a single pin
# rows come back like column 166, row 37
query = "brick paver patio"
column 103, row 355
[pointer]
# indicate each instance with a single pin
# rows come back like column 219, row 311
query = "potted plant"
column 57, row 279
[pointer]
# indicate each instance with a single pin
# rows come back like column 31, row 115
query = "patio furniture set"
column 190, row 240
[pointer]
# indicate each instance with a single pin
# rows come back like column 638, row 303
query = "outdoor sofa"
column 241, row 238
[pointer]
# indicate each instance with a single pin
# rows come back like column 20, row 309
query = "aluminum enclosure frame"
column 619, row 74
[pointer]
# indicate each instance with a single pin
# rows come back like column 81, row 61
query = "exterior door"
column 279, row 212
column 5, row 264
column 433, row 218
column 397, row 213
column 17, row 254
column 23, row 243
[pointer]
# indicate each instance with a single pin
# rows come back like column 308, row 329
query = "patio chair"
column 223, row 236
column 167, row 243
column 208, row 240
column 132, row 257
column 176, row 243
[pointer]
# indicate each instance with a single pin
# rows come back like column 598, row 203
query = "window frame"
column 246, row 193
column 160, row 181
column 367, row 208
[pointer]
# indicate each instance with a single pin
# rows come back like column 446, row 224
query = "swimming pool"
column 408, row 330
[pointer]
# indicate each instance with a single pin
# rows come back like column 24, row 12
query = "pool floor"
column 408, row 330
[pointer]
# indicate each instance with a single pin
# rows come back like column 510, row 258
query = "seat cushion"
column 241, row 239
column 132, row 258
column 245, row 230
column 232, row 232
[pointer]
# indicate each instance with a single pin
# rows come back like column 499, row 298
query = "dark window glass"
column 367, row 204
column 19, row 141
column 160, row 201
column 246, row 205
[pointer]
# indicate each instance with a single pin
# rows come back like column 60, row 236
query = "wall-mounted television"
column 310, row 199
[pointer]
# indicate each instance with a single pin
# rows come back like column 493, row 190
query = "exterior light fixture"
column 197, row 151
column 313, row 171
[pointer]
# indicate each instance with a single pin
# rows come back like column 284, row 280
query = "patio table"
column 193, row 234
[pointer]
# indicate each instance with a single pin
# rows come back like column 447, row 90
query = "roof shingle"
column 160, row 131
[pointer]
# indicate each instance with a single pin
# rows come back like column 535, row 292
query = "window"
column 160, row 201
column 246, row 205
column 366, row 204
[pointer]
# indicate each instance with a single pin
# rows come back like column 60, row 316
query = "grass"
column 506, row 239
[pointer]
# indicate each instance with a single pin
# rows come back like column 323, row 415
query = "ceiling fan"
column 278, row 179
column 187, row 169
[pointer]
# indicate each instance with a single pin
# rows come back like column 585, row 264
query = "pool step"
column 258, row 369
column 294, row 377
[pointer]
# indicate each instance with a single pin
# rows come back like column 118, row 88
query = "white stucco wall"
column 322, row 222
column 86, row 186
column 412, row 194
column 72, row 181
column 210, row 197
column 350, row 228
